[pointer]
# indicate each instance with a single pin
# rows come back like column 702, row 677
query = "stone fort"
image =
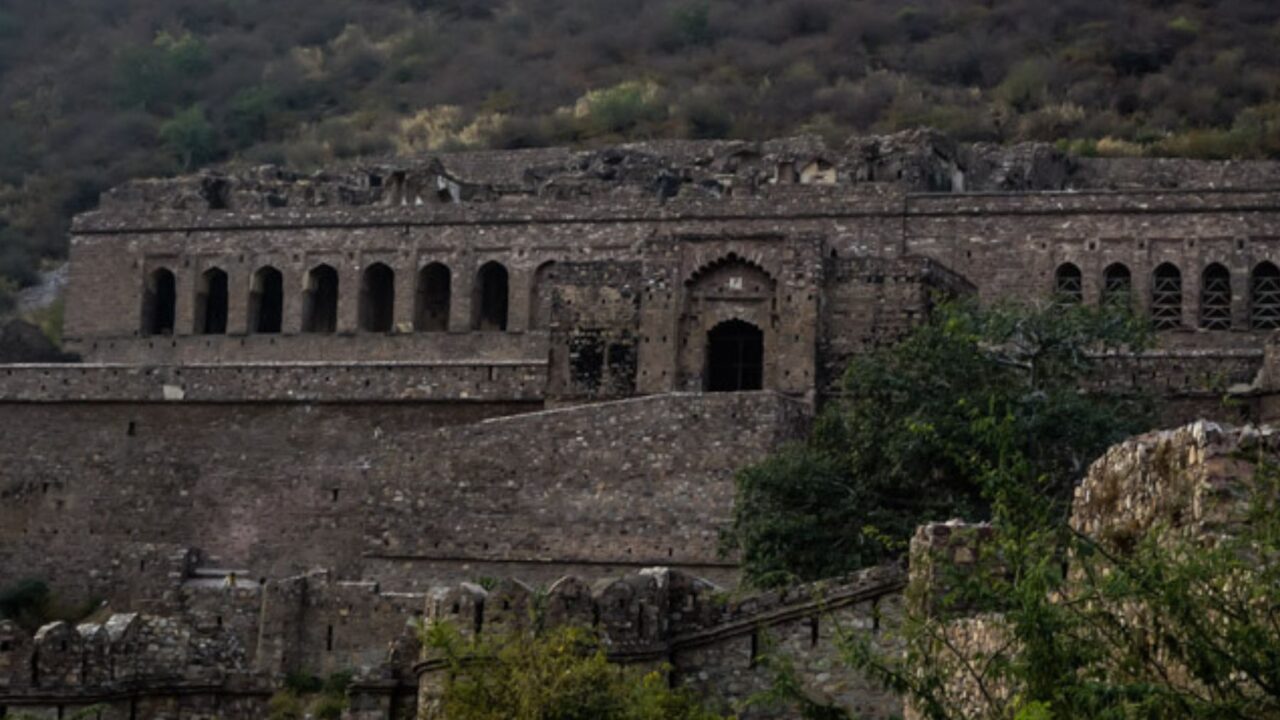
column 309, row 409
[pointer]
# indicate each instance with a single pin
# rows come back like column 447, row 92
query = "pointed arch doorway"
column 735, row 357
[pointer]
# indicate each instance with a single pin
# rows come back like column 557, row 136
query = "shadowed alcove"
column 735, row 357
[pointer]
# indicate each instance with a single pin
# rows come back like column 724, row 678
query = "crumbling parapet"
column 1192, row 479
column 705, row 638
column 944, row 556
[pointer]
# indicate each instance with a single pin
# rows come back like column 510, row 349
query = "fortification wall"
column 459, row 383
column 97, row 494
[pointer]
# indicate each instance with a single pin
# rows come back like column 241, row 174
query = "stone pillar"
column 239, row 282
column 294, row 290
column 463, row 286
column 519, row 297
column 349, row 281
column 184, row 284
column 406, row 296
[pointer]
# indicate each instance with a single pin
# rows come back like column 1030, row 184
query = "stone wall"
column 514, row 383
column 373, row 489
column 724, row 649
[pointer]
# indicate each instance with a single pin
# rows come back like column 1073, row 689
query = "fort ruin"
column 411, row 374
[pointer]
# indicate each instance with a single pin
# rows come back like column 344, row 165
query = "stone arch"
column 1068, row 284
column 320, row 300
column 1215, row 297
column 266, row 301
column 1166, row 297
column 735, row 358
column 1264, row 297
column 540, row 296
column 1117, row 285
column 434, row 298
column 730, row 288
column 377, row 298
column 491, row 298
column 159, row 302
column 211, row 302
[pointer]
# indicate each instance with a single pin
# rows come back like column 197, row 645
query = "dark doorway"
column 434, row 291
column 266, row 301
column 320, row 305
column 735, row 357
column 211, row 303
column 490, row 298
column 158, row 303
column 378, row 299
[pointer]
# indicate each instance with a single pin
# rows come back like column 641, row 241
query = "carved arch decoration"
column 725, row 261
column 729, row 289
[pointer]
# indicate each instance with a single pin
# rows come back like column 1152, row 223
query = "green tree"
column 190, row 137
column 150, row 76
column 250, row 115
column 561, row 673
column 904, row 442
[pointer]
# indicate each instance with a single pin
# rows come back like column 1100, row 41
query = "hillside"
column 98, row 91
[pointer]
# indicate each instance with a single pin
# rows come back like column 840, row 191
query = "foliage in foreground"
column 907, row 442
column 1179, row 625
column 308, row 696
column 561, row 673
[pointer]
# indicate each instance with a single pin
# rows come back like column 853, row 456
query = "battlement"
column 125, row 653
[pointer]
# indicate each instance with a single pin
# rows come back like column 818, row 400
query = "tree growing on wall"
column 906, row 441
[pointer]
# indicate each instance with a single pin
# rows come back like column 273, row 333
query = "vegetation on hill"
column 94, row 92
column 911, row 436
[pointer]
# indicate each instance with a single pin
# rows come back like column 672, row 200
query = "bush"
column 1168, row 624
column 561, row 673
column 26, row 603
column 619, row 109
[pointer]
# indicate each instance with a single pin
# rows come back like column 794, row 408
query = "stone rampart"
column 397, row 492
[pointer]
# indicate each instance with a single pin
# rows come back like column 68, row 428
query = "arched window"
column 1215, row 298
column 159, row 298
column 735, row 357
column 540, row 296
column 266, row 301
column 1068, row 285
column 378, row 298
column 490, row 298
column 1117, row 285
column 1166, row 297
column 320, row 301
column 435, row 293
column 1264, row 297
column 211, row 303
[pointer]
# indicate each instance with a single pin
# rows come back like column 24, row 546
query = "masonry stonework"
column 347, row 388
